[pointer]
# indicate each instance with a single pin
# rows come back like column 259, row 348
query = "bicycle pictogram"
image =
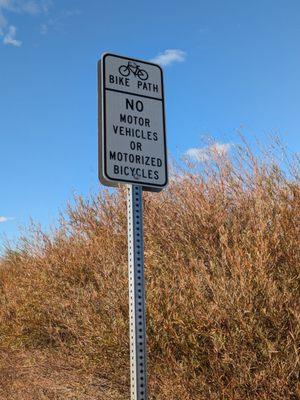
column 132, row 67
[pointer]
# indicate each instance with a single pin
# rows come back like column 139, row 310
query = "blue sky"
column 227, row 64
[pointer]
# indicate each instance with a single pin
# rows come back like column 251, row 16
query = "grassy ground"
column 223, row 298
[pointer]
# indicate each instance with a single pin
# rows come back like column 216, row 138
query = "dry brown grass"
column 222, row 270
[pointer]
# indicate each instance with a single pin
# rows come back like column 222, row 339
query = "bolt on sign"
column 132, row 137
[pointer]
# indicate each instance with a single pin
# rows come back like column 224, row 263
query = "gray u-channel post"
column 133, row 152
column 137, row 311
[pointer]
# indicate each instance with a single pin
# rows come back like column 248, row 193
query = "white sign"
column 132, row 138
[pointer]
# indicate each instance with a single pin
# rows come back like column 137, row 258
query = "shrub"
column 222, row 278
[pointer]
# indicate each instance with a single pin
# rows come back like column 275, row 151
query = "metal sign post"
column 132, row 151
column 137, row 312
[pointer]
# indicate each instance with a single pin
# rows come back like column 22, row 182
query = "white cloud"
column 27, row 6
column 71, row 13
column 206, row 153
column 6, row 4
column 3, row 23
column 170, row 56
column 35, row 7
column 57, row 22
column 43, row 29
column 4, row 219
column 31, row 7
column 10, row 37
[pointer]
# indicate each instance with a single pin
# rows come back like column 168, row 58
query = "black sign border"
column 103, row 175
